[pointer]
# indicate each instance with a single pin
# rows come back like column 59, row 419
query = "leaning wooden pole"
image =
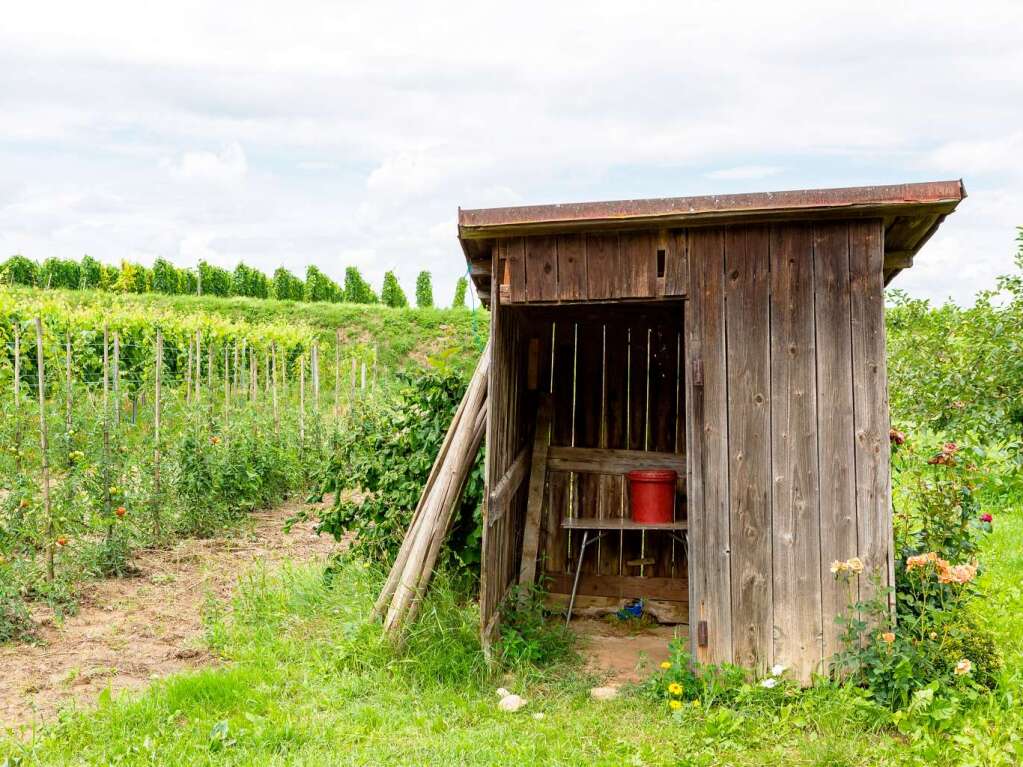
column 413, row 567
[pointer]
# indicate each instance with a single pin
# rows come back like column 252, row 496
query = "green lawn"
column 306, row 681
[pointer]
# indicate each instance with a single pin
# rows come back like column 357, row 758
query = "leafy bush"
column 391, row 293
column 18, row 270
column 214, row 280
column 460, row 289
column 381, row 463
column 286, row 286
column 15, row 621
column 357, row 290
column 526, row 637
column 60, row 273
column 166, row 277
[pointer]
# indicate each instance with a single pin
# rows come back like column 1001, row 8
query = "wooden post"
column 198, row 364
column 363, row 387
column 209, row 371
column 301, row 399
column 157, row 394
column 227, row 378
column 17, row 396
column 41, row 375
column 337, row 375
column 188, row 375
column 245, row 379
column 117, row 379
column 67, row 385
column 106, row 427
column 315, row 371
column 351, row 397
column 235, row 385
column 277, row 419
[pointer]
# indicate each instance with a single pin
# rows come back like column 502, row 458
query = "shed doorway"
column 612, row 378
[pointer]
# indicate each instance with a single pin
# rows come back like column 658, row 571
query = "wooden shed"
column 737, row 338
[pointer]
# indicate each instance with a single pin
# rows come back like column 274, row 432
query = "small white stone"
column 511, row 703
column 538, row 715
column 604, row 693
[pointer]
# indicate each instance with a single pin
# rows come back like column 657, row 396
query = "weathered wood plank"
column 615, row 435
column 638, row 275
column 870, row 402
column 748, row 327
column 796, row 591
column 708, row 477
column 541, row 254
column 676, row 268
column 602, row 266
column 588, row 402
column 512, row 253
column 624, row 587
column 595, row 460
column 572, row 267
column 563, row 391
column 537, row 488
column 509, row 483
column 835, row 423
column 582, row 523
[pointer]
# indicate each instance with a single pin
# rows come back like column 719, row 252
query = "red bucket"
column 653, row 495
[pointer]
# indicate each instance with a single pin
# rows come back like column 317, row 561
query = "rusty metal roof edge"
column 800, row 200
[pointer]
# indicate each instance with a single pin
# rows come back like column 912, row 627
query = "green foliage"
column 460, row 289
column 213, row 280
column 526, row 636
column 91, row 272
column 18, row 270
column 381, row 463
column 132, row 278
column 166, row 277
column 15, row 621
column 286, row 286
column 424, row 290
column 391, row 293
column 249, row 282
column 319, row 287
column 357, row 290
column 60, row 273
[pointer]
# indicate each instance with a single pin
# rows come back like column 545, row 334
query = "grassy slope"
column 308, row 682
column 398, row 333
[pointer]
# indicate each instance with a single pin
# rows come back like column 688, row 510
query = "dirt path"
column 129, row 631
column 622, row 656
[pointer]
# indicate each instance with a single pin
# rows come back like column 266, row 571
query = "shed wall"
column 787, row 421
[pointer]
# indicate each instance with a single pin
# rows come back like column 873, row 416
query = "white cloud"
column 308, row 135
column 226, row 166
column 744, row 172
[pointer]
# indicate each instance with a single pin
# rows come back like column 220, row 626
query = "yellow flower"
column 837, row 567
column 934, row 635
column 855, row 565
column 675, row 704
column 675, row 688
column 665, row 665
column 963, row 667
column 888, row 637
column 696, row 703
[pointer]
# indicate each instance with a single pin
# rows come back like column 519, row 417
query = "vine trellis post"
column 43, row 446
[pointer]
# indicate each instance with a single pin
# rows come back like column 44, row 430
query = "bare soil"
column 129, row 631
column 622, row 655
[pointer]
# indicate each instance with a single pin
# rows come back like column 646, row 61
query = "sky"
column 348, row 133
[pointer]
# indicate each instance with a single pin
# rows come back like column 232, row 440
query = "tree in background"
column 214, row 281
column 286, row 286
column 166, row 277
column 460, row 288
column 319, row 287
column 391, row 293
column 90, row 273
column 18, row 270
column 250, row 282
column 133, row 278
column 357, row 290
column 108, row 276
column 60, row 273
column 424, row 290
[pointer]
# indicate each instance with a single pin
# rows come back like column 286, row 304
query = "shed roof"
column 911, row 214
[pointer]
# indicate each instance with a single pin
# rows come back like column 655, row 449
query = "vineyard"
column 125, row 428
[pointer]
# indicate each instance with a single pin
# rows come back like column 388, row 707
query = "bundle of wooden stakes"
column 400, row 599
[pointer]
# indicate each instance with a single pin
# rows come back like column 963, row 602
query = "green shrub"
column 285, row 286
column 18, row 270
column 424, row 290
column 15, row 621
column 391, row 294
column 356, row 290
column 526, row 636
column 460, row 290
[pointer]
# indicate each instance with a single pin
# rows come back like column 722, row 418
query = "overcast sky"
column 347, row 133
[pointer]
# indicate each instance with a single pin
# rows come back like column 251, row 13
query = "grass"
column 305, row 680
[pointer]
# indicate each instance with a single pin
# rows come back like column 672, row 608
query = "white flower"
column 778, row 669
column 769, row 682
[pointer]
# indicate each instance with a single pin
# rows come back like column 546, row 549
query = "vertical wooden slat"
column 747, row 289
column 488, row 574
column 676, row 269
column 795, row 512
column 589, row 361
column 870, row 401
column 835, row 426
column 571, row 267
column 638, row 438
column 602, row 266
column 616, row 415
column 710, row 569
column 511, row 252
column 562, row 382
column 541, row 255
column 638, row 274
column 662, row 420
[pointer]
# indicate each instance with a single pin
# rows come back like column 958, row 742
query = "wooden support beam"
column 506, row 486
column 898, row 259
column 537, row 485
column 606, row 461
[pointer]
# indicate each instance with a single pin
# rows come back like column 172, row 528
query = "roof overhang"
column 911, row 214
